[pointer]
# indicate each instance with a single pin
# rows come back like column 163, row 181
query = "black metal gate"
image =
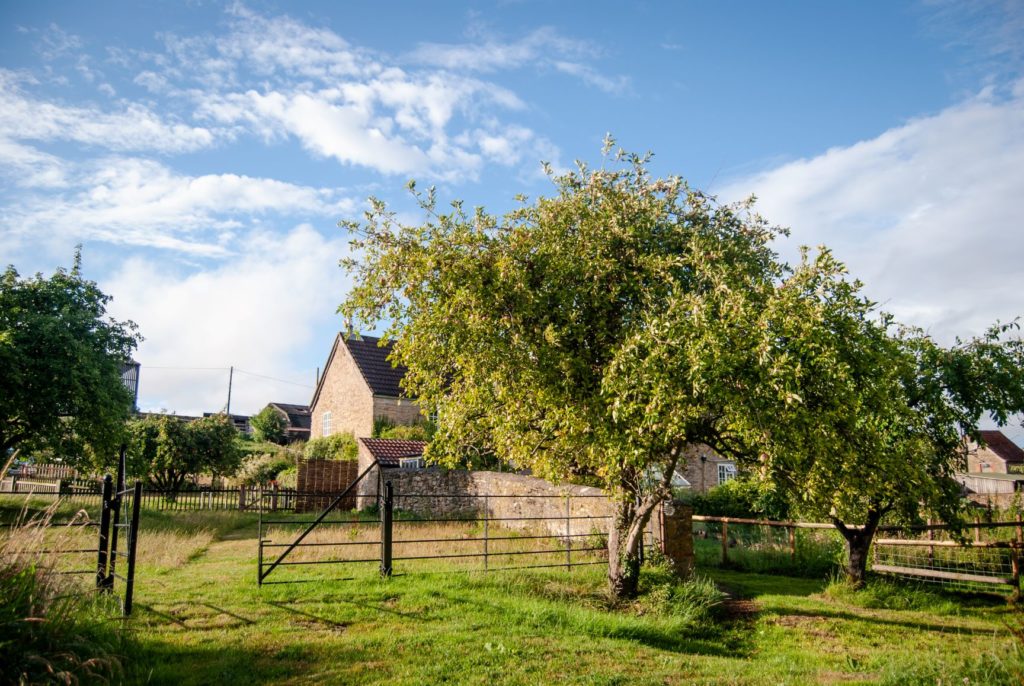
column 118, row 537
column 446, row 532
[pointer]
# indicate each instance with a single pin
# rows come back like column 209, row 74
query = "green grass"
column 201, row 619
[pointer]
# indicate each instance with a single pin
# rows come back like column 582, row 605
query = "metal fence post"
column 386, row 515
column 104, row 541
column 133, row 543
column 487, row 518
column 568, row 535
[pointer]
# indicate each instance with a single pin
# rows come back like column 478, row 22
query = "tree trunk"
column 858, row 545
column 623, row 553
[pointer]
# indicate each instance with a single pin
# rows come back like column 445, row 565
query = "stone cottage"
column 358, row 385
column 706, row 469
column 997, row 455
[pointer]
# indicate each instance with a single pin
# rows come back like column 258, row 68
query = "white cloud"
column 28, row 167
column 132, row 127
column 259, row 312
column 141, row 202
column 541, row 48
column 280, row 78
column 926, row 214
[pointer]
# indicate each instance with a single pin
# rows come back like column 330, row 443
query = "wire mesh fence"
column 800, row 548
column 984, row 557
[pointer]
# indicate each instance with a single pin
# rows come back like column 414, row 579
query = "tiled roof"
column 1003, row 447
column 372, row 360
column 298, row 415
column 388, row 451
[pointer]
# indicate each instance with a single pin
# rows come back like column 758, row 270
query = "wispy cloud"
column 921, row 213
column 543, row 48
column 130, row 201
column 132, row 127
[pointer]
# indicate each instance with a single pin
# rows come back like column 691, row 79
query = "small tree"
column 600, row 333
column 269, row 425
column 167, row 450
column 859, row 419
column 61, row 359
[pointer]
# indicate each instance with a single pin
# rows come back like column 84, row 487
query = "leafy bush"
column 340, row 446
column 694, row 599
column 50, row 630
column 264, row 468
column 744, row 498
column 883, row 594
column 269, row 425
column 416, row 432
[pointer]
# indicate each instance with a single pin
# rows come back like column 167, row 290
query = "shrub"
column 745, row 498
column 264, row 468
column 50, row 630
column 340, row 446
column 416, row 432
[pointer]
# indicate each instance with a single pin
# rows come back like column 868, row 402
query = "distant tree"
column 269, row 425
column 167, row 450
column 61, row 358
column 601, row 333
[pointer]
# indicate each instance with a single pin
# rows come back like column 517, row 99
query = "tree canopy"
column 598, row 333
column 269, row 425
column 166, row 450
column 605, row 331
column 62, row 359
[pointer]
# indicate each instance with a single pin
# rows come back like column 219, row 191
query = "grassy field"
column 201, row 619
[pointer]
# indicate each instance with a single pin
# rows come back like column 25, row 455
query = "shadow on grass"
column 215, row 663
column 195, row 616
column 286, row 607
column 874, row 619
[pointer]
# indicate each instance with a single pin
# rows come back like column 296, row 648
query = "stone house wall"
column 346, row 396
column 400, row 411
column 703, row 474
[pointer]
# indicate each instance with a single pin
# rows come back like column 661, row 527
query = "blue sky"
column 203, row 152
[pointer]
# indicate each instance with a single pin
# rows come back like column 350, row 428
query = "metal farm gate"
column 395, row 533
column 116, row 540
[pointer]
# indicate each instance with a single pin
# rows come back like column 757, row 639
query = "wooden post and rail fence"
column 1013, row 547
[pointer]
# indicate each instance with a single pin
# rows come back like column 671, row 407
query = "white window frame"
column 326, row 423
column 726, row 472
column 411, row 463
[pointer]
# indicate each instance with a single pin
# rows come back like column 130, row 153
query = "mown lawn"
column 201, row 619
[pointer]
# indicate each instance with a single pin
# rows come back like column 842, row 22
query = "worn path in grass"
column 206, row 622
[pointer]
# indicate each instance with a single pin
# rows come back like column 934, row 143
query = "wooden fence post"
column 792, row 543
column 1015, row 551
column 931, row 548
column 725, row 543
column 241, row 498
column 977, row 529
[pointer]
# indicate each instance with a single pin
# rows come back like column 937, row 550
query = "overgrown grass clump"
column 53, row 627
column 884, row 594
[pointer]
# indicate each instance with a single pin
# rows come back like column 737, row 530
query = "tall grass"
column 53, row 627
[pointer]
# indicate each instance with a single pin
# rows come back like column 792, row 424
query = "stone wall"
column 324, row 476
column 346, row 396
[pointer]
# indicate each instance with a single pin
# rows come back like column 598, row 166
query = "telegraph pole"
column 231, row 378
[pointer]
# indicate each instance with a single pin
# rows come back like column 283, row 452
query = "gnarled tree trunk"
column 858, row 545
column 625, row 535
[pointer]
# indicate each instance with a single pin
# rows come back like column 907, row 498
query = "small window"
column 327, row 424
column 411, row 463
column 726, row 472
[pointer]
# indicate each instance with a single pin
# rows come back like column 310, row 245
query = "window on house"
column 726, row 472
column 411, row 463
column 327, row 424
